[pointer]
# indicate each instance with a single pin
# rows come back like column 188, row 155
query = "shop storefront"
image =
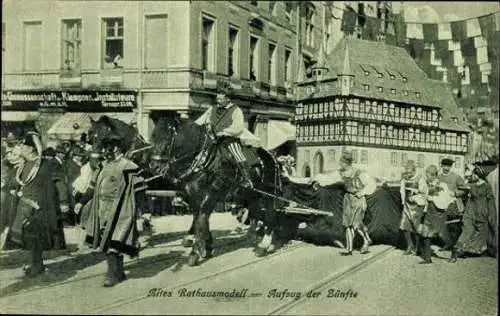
column 65, row 115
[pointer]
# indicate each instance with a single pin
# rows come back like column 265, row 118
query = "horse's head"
column 98, row 130
column 174, row 146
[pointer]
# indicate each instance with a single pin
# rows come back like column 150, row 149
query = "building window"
column 380, row 89
column 271, row 64
column 32, row 45
column 393, row 77
column 366, row 87
column 288, row 65
column 71, row 49
column 254, row 3
column 367, row 73
column 113, row 43
column 254, row 58
column 394, row 158
column 417, row 94
column 380, row 75
column 364, row 156
column 156, row 42
column 208, row 44
column 405, row 79
column 272, row 7
column 288, row 11
column 405, row 92
column 309, row 26
column 233, row 52
column 393, row 91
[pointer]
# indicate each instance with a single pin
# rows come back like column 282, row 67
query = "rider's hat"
column 224, row 87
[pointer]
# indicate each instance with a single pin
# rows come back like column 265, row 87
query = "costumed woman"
column 358, row 185
column 413, row 191
column 480, row 218
column 439, row 197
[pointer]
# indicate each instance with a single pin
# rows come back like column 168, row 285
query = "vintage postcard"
column 249, row 157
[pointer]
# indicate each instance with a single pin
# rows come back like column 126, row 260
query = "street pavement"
column 385, row 282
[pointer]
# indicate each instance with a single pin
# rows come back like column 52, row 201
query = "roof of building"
column 387, row 72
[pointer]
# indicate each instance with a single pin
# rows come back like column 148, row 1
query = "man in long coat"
column 111, row 225
column 37, row 224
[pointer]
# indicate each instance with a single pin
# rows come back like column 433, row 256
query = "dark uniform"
column 37, row 225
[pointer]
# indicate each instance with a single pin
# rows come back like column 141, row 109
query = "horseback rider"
column 225, row 119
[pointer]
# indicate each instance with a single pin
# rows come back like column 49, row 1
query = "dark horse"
column 189, row 155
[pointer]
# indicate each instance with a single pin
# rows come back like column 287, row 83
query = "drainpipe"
column 142, row 125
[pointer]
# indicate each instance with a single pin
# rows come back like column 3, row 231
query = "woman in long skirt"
column 479, row 220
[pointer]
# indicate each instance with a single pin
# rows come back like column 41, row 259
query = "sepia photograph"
column 187, row 157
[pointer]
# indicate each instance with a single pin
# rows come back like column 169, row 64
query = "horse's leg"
column 202, row 247
column 188, row 240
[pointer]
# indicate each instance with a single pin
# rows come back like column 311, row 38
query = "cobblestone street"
column 385, row 281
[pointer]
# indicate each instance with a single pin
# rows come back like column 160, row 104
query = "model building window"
column 233, row 52
column 254, row 58
column 208, row 44
column 113, row 43
column 71, row 30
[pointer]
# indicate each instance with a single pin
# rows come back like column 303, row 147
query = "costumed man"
column 453, row 182
column 479, row 228
column 64, row 169
column 434, row 219
column 10, row 161
column 358, row 185
column 111, row 225
column 37, row 225
column 413, row 191
column 226, row 120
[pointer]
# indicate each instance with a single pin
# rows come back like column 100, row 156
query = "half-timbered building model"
column 373, row 99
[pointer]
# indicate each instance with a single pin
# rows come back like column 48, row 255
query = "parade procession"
column 249, row 157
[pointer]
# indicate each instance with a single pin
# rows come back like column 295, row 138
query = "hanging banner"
column 69, row 101
column 473, row 28
column 444, row 31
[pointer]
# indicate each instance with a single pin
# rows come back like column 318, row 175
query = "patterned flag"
column 430, row 31
column 473, row 28
column 444, row 31
column 458, row 30
column 414, row 30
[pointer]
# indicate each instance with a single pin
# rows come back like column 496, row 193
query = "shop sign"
column 69, row 101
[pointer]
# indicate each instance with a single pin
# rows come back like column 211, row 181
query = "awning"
column 279, row 132
column 16, row 116
column 71, row 125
